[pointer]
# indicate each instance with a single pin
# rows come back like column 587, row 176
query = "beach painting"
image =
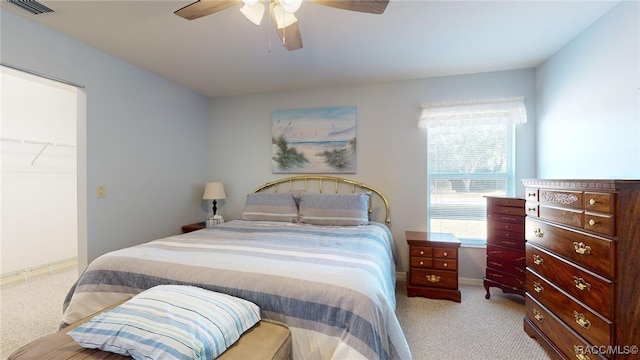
column 314, row 141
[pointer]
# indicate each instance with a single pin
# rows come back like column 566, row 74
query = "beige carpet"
column 435, row 329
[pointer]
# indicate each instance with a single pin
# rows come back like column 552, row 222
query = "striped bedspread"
column 334, row 287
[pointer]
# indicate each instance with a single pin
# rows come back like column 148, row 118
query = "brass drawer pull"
column 539, row 233
column 579, row 351
column 581, row 248
column 433, row 278
column 421, row 252
column 537, row 287
column 537, row 260
column 592, row 222
column 445, row 264
column 592, row 202
column 445, row 254
column 508, row 242
column 495, row 263
column 421, row 263
column 537, row 315
column 580, row 320
column 581, row 284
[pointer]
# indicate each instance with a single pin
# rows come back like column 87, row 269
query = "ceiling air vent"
column 31, row 6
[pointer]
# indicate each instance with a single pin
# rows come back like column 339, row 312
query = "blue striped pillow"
column 270, row 207
column 170, row 322
column 335, row 209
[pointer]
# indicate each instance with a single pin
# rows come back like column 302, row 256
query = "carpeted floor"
column 477, row 328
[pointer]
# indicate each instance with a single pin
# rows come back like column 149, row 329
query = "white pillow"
column 170, row 322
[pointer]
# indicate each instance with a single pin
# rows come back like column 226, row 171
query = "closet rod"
column 42, row 75
column 36, row 142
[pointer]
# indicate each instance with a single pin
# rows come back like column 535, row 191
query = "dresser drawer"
column 589, row 288
column 509, row 210
column 443, row 253
column 515, row 256
column 600, row 202
column 423, row 251
column 531, row 194
column 593, row 327
column 445, row 264
column 593, row 253
column 516, row 244
column 509, row 202
column 563, row 199
column 434, row 278
column 422, row 262
column 517, row 269
column 563, row 337
column 573, row 218
column 517, row 227
column 531, row 208
column 599, row 223
column 505, row 278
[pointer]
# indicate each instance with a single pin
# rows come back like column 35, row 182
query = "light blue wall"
column 146, row 138
column 589, row 102
column 391, row 149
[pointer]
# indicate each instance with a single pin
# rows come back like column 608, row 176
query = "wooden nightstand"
column 193, row 227
column 433, row 269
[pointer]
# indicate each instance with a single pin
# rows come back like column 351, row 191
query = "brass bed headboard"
column 293, row 182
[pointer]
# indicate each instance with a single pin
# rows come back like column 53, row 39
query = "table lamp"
column 214, row 191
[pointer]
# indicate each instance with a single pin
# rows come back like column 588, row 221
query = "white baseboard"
column 24, row 275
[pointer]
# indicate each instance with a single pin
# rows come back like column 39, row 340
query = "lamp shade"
column 214, row 191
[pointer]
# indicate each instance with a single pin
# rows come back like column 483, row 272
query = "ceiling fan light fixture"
column 290, row 6
column 283, row 18
column 253, row 12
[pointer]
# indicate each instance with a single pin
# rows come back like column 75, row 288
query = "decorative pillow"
column 335, row 209
column 270, row 207
column 170, row 322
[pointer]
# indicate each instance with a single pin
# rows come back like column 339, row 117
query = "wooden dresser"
column 505, row 245
column 433, row 269
column 583, row 272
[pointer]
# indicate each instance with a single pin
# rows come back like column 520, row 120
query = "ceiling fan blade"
column 290, row 36
column 365, row 6
column 202, row 8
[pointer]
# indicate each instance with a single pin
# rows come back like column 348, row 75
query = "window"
column 470, row 155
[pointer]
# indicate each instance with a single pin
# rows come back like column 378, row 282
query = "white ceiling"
column 224, row 54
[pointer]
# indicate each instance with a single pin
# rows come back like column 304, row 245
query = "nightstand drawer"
column 423, row 251
column 444, row 264
column 434, row 278
column 443, row 253
column 421, row 262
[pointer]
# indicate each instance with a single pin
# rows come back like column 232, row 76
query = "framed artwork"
column 313, row 141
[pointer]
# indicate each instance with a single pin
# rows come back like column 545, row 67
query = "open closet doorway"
column 39, row 175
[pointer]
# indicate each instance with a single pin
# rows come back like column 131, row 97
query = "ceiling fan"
column 281, row 13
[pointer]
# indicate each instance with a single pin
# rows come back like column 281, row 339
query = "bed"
column 309, row 256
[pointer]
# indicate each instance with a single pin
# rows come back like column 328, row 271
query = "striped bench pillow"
column 170, row 322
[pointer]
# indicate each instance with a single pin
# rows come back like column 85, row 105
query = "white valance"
column 477, row 112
